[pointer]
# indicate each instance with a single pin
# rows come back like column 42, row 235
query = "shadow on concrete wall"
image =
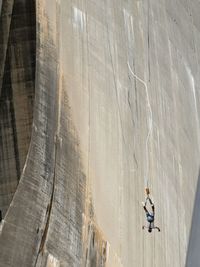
column 193, row 255
column 17, row 83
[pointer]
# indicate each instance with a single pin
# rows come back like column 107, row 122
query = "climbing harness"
column 150, row 216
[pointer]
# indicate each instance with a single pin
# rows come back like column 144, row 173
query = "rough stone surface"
column 116, row 108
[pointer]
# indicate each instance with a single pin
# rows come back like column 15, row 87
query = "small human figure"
column 150, row 215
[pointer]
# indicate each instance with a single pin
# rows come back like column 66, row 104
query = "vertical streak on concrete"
column 5, row 21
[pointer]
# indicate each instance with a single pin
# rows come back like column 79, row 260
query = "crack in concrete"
column 48, row 210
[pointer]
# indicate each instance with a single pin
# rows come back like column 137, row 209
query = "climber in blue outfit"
column 149, row 215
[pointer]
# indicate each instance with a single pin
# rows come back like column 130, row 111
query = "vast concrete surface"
column 116, row 108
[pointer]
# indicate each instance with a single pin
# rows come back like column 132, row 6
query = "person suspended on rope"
column 150, row 215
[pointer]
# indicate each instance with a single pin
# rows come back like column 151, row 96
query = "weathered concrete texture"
column 116, row 107
column 17, row 82
column 24, row 226
column 46, row 213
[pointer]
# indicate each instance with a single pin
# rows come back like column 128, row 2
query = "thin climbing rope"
column 150, row 120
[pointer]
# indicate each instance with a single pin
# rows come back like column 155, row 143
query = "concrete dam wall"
column 98, row 100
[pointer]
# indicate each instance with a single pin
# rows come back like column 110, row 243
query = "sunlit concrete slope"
column 116, row 87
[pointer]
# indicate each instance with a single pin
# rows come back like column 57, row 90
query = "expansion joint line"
column 150, row 122
column 49, row 207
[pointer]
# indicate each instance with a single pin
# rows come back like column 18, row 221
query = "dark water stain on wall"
column 17, row 46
